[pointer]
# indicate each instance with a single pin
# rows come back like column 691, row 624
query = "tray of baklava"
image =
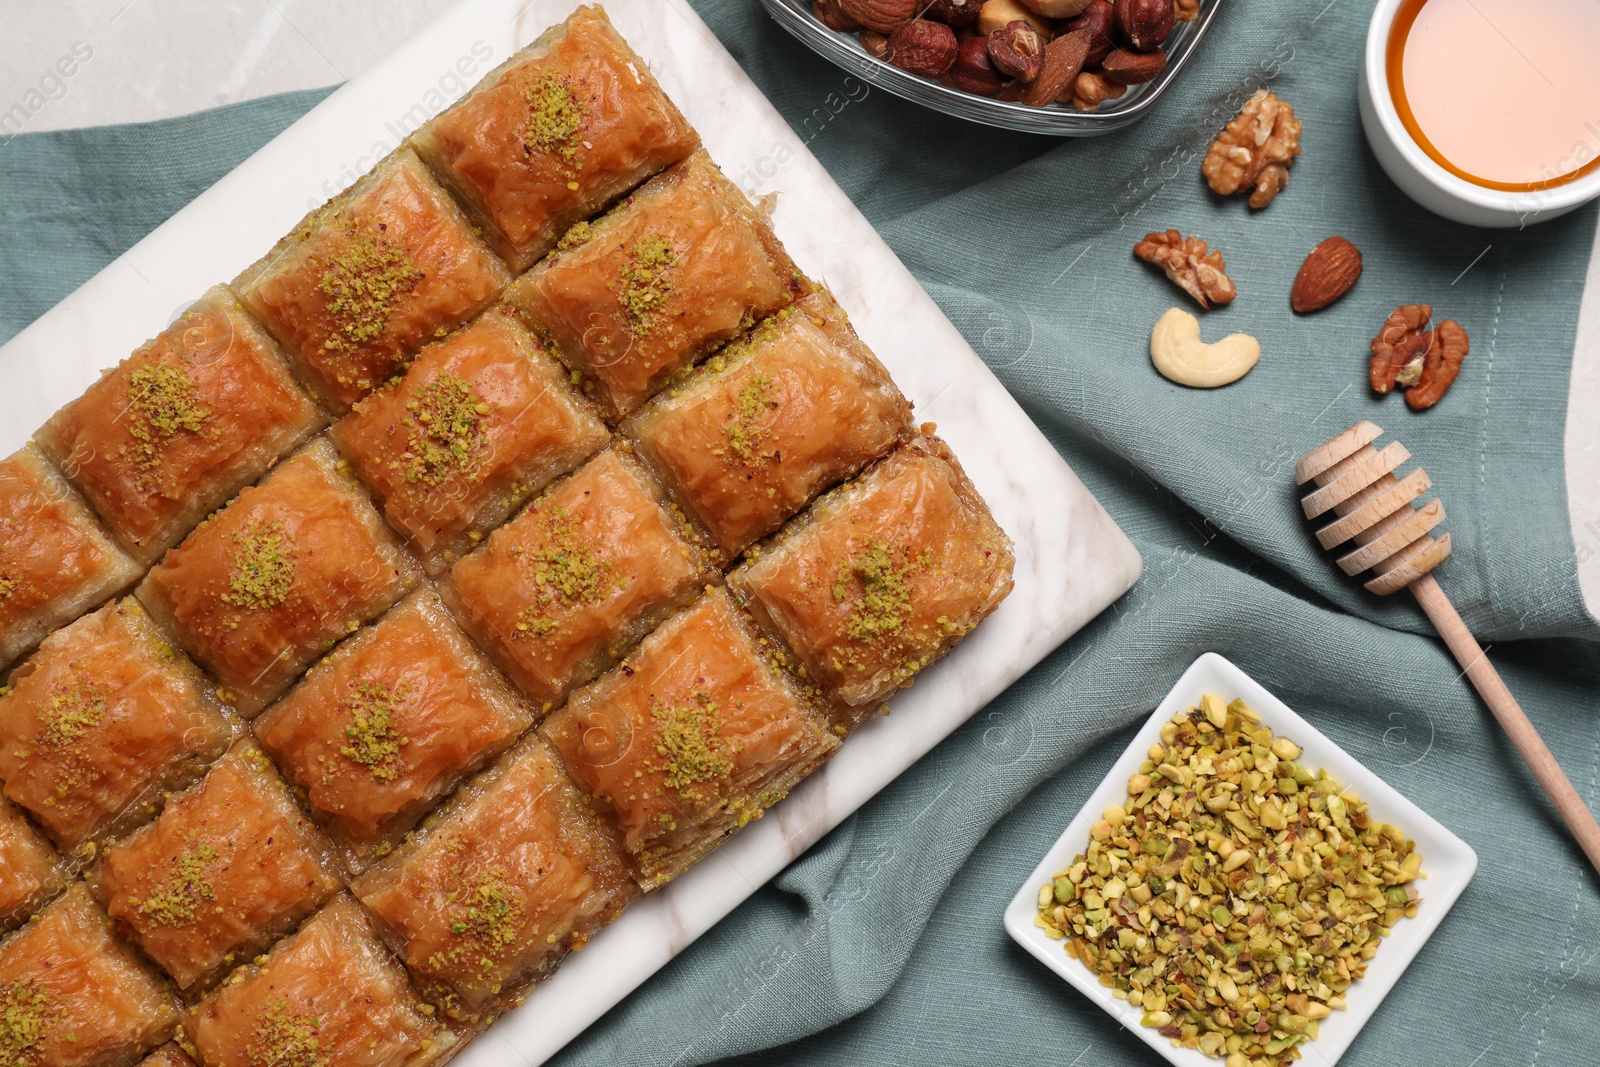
column 461, row 575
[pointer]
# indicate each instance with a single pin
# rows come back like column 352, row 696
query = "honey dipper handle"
column 1486, row 680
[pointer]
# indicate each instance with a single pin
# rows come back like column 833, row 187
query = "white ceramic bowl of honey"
column 1486, row 111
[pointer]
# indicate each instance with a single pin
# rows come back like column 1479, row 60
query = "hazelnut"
column 1017, row 50
column 880, row 15
column 957, row 14
column 995, row 14
column 973, row 72
column 1127, row 67
column 922, row 47
column 1099, row 19
column 1145, row 23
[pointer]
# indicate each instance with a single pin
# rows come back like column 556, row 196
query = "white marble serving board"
column 1072, row 560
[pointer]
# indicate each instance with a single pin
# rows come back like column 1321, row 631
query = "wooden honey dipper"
column 1392, row 537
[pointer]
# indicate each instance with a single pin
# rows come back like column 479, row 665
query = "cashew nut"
column 1179, row 354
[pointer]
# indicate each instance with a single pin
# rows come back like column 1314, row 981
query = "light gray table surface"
column 151, row 59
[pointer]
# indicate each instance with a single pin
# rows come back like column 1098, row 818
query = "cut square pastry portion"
column 673, row 271
column 696, row 734
column 181, row 425
column 370, row 277
column 31, row 872
column 100, row 721
column 479, row 423
column 56, row 561
column 330, row 995
column 555, row 134
column 268, row 583
column 226, row 868
column 883, row 575
column 558, row 594
column 499, row 885
column 750, row 436
column 72, row 995
column 389, row 722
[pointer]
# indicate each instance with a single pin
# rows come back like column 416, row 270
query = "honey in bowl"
column 1502, row 93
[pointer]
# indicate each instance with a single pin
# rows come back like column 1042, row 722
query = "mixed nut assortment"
column 1235, row 894
column 1253, row 154
column 1078, row 52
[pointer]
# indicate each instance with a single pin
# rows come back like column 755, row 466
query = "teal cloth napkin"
column 884, row 942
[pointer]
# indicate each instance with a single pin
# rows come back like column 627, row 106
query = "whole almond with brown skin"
column 922, row 46
column 1017, row 50
column 1099, row 19
column 1145, row 23
column 1063, row 59
column 831, row 15
column 1127, row 67
column 973, row 72
column 881, row 15
column 1329, row 272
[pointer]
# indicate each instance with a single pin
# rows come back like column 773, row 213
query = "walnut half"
column 1255, row 150
column 1191, row 265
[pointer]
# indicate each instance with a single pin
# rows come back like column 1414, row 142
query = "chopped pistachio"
column 1234, row 895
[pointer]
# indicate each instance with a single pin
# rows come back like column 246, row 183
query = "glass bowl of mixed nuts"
column 1239, row 890
column 1068, row 68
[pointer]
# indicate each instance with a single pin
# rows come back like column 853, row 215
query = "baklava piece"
column 72, row 995
column 681, row 266
column 100, row 721
column 227, row 867
column 495, row 889
column 883, row 575
column 30, row 870
column 181, row 425
column 555, row 134
column 329, row 996
column 558, row 594
column 269, row 583
column 480, row 422
column 56, row 562
column 388, row 723
column 770, row 421
column 696, row 734
column 370, row 277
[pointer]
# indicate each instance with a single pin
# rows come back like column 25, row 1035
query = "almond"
column 1329, row 272
column 1127, row 67
column 831, row 15
column 880, row 15
column 1063, row 59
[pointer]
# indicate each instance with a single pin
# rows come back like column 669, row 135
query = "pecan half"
column 1400, row 350
column 1255, row 150
column 1442, row 364
column 1191, row 265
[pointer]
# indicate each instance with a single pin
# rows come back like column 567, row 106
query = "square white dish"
column 1447, row 861
column 1071, row 559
